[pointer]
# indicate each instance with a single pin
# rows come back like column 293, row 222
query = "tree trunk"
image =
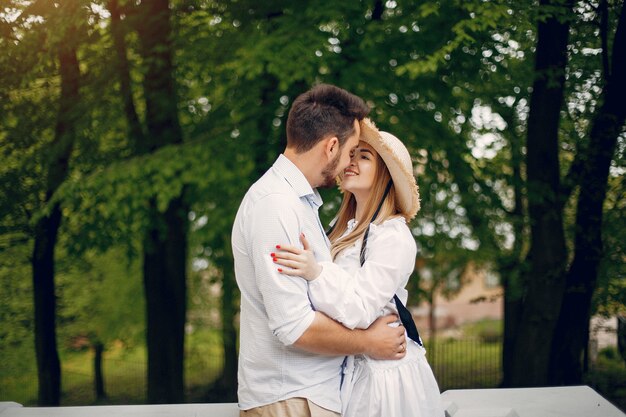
column 432, row 320
column 432, row 323
column 547, row 255
column 47, row 228
column 264, row 152
column 98, row 349
column 512, row 313
column 165, row 241
column 511, row 277
column 572, row 332
column 229, row 334
column 135, row 131
column 224, row 389
column 511, row 265
column 48, row 366
column 165, row 288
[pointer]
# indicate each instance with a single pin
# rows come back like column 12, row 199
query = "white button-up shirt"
column 357, row 295
column 275, row 308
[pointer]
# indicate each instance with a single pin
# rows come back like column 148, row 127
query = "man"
column 290, row 355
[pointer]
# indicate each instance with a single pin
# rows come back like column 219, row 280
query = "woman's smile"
column 358, row 177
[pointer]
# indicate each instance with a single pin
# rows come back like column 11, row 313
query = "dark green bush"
column 490, row 336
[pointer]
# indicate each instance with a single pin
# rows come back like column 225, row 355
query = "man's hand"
column 385, row 342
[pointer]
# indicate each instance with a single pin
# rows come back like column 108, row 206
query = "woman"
column 380, row 197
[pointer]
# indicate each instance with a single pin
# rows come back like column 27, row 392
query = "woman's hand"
column 296, row 261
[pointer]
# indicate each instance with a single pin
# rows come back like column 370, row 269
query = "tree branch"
column 604, row 30
column 572, row 178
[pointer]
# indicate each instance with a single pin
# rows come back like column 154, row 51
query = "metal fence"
column 465, row 363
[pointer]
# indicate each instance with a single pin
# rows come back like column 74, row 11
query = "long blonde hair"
column 347, row 210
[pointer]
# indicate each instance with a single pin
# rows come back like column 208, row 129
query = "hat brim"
column 398, row 162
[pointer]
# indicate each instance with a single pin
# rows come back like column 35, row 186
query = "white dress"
column 356, row 296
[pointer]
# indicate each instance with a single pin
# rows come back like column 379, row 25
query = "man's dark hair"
column 325, row 110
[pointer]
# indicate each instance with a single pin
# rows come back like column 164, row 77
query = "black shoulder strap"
column 367, row 231
column 405, row 315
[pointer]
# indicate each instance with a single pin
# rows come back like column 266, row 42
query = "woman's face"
column 358, row 178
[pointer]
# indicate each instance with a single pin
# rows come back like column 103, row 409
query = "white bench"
column 516, row 402
column 528, row 402
column 161, row 410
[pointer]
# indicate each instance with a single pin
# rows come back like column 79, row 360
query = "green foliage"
column 610, row 298
column 101, row 298
column 487, row 331
column 475, row 18
column 451, row 79
column 17, row 345
column 608, row 376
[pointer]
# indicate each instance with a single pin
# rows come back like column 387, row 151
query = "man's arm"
column 327, row 337
column 290, row 315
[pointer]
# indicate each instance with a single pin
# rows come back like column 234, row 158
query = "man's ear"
column 332, row 147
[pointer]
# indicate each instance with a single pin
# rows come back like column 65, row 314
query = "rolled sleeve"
column 285, row 298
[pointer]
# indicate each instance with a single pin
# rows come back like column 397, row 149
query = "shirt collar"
column 296, row 179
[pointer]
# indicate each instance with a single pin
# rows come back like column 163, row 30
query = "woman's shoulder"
column 395, row 225
column 394, row 233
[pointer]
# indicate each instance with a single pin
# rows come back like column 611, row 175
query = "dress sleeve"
column 356, row 300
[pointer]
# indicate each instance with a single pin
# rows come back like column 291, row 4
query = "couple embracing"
column 323, row 327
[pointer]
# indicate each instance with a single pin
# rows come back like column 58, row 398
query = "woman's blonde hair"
column 347, row 210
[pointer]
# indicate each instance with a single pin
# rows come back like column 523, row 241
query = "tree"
column 544, row 281
column 165, row 241
column 47, row 226
column 572, row 331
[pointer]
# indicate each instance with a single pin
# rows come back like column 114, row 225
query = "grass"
column 124, row 377
column 124, row 370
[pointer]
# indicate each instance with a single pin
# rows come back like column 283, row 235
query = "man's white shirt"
column 275, row 308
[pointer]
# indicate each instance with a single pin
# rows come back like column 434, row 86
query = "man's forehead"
column 357, row 133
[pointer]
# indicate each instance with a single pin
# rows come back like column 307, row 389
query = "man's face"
column 342, row 160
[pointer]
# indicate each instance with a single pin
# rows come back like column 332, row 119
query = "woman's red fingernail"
column 277, row 246
column 280, row 270
column 275, row 259
column 272, row 254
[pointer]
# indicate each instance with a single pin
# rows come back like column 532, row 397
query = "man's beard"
column 329, row 173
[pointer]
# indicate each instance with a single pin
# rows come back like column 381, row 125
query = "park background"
column 130, row 130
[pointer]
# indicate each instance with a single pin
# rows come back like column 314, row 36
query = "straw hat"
column 398, row 161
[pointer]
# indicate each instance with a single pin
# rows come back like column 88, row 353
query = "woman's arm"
column 356, row 300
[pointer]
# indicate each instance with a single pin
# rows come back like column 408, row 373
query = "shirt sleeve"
column 356, row 300
column 275, row 220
